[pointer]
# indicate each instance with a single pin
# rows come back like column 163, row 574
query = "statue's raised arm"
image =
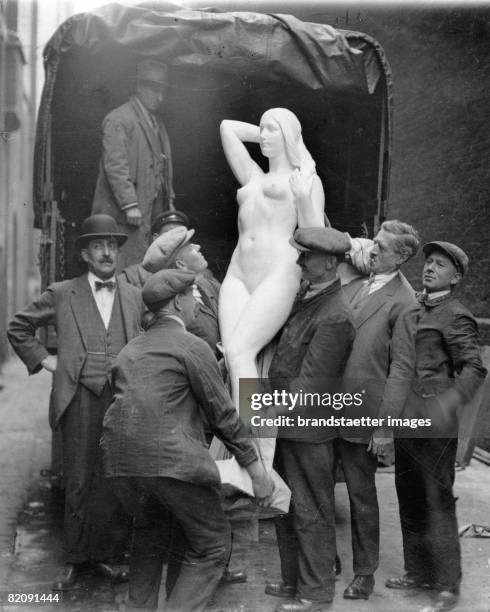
column 263, row 277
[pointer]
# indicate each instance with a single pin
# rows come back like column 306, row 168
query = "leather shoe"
column 360, row 588
column 66, row 578
column 279, row 589
column 408, row 581
column 116, row 576
column 445, row 600
column 229, row 577
column 302, row 605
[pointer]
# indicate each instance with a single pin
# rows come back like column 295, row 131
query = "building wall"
column 25, row 26
column 440, row 178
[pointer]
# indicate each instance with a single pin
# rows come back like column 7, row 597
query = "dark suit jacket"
column 64, row 305
column 382, row 360
column 166, row 382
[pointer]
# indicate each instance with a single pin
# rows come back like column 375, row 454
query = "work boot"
column 360, row 588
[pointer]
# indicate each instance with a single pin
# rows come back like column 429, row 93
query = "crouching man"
column 156, row 455
column 448, row 373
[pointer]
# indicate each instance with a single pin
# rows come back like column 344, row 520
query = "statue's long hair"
column 297, row 153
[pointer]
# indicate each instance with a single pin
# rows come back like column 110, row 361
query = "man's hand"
column 262, row 483
column 133, row 216
column 50, row 363
column 381, row 442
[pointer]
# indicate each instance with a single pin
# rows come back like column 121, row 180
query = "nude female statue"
column 263, row 277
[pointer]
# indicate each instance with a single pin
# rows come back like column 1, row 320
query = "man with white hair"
column 381, row 367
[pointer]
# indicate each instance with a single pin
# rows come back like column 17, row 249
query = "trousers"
column 359, row 468
column 93, row 517
column 165, row 511
column 306, row 535
column 424, row 478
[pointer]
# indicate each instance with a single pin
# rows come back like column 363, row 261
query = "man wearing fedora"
column 310, row 357
column 94, row 316
column 135, row 182
column 448, row 371
column 166, row 385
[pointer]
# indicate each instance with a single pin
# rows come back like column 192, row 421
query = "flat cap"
column 325, row 239
column 455, row 254
column 169, row 216
column 163, row 251
column 164, row 285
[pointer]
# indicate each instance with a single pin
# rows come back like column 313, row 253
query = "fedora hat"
column 151, row 71
column 99, row 226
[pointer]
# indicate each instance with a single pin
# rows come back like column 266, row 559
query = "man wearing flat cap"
column 173, row 249
column 448, row 372
column 311, row 355
column 135, row 182
column 135, row 274
column 166, row 383
column 94, row 316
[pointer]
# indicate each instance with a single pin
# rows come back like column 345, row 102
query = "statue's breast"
column 276, row 189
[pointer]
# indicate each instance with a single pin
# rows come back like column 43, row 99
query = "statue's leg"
column 261, row 318
column 233, row 298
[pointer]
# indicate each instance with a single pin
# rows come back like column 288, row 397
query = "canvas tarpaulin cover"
column 223, row 65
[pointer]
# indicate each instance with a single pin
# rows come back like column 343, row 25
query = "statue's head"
column 290, row 128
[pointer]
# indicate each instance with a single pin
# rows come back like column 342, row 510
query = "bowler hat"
column 151, row 71
column 99, row 226
column 164, row 285
column 163, row 251
column 324, row 239
column 455, row 254
column 169, row 216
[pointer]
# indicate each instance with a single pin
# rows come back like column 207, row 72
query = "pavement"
column 31, row 513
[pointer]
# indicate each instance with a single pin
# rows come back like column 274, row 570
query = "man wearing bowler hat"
column 135, row 182
column 95, row 316
column 448, row 371
column 310, row 358
column 166, row 382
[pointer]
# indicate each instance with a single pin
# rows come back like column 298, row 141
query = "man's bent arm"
column 22, row 330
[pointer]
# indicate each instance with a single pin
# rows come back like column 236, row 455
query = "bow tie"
column 111, row 285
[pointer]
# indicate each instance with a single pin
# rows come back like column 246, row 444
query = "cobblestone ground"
column 30, row 521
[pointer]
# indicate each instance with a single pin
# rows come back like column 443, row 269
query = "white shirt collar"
column 92, row 278
column 435, row 294
column 382, row 279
